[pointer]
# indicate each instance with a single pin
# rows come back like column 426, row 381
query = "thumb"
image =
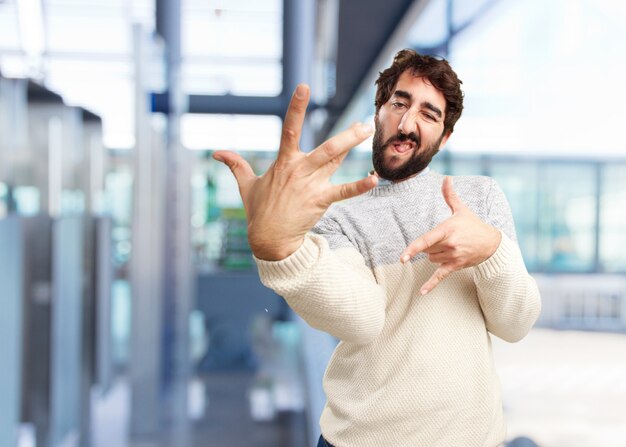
column 450, row 195
column 240, row 168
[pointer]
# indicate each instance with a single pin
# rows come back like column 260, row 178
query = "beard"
column 418, row 161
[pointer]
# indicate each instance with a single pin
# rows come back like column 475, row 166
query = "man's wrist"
column 497, row 240
column 275, row 252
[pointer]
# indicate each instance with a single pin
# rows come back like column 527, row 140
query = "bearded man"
column 413, row 274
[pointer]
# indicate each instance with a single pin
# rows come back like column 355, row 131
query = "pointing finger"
column 439, row 275
column 338, row 145
column 294, row 119
column 423, row 243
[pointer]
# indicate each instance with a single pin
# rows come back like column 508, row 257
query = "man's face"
column 409, row 128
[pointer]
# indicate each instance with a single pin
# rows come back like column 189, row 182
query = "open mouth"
column 402, row 147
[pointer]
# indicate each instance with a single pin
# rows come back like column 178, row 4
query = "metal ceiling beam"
column 299, row 33
column 368, row 31
column 245, row 105
column 442, row 48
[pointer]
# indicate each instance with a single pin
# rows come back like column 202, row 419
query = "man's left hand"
column 461, row 241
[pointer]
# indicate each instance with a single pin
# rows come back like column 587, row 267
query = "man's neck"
column 383, row 181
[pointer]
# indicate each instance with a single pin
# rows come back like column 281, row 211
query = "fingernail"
column 218, row 157
column 423, row 292
column 300, row 91
column 367, row 128
column 405, row 258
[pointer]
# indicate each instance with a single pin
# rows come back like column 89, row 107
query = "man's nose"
column 407, row 123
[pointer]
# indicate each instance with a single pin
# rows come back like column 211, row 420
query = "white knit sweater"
column 409, row 370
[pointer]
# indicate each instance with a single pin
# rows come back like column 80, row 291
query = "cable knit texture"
column 409, row 370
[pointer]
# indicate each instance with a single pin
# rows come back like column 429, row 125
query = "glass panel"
column 355, row 167
column 520, row 183
column 431, row 27
column 119, row 196
column 229, row 33
column 519, row 72
column 104, row 88
column 79, row 34
column 11, row 344
column 567, row 217
column 236, row 132
column 463, row 11
column 460, row 165
column 216, row 77
column 9, row 31
column 4, row 199
column 613, row 219
column 26, row 200
column 217, row 55
column 66, row 347
column 121, row 308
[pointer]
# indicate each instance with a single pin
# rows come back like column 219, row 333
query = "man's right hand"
column 283, row 204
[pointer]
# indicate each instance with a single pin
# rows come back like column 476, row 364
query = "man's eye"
column 429, row 117
column 397, row 105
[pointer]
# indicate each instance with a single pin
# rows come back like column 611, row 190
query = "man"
column 411, row 274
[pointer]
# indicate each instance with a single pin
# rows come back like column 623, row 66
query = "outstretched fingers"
column 294, row 119
column 338, row 145
column 348, row 190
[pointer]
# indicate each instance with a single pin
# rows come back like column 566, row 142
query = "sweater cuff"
column 295, row 264
column 493, row 265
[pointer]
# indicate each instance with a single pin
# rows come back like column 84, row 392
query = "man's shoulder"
column 476, row 191
column 473, row 184
column 473, row 179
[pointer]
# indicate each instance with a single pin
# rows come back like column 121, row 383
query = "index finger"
column 439, row 275
column 339, row 144
column 424, row 242
column 294, row 119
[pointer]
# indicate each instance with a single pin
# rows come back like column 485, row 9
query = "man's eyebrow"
column 427, row 105
column 432, row 108
column 403, row 94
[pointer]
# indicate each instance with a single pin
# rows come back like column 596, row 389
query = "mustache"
column 402, row 137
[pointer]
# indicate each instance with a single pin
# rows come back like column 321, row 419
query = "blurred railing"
column 583, row 302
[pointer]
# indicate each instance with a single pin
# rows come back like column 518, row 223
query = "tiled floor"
column 565, row 388
column 560, row 388
column 227, row 420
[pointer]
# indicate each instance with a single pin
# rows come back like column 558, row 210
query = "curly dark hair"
column 437, row 71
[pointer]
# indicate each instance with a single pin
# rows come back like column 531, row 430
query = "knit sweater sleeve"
column 331, row 289
column 508, row 295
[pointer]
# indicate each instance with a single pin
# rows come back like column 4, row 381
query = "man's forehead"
column 421, row 85
column 408, row 79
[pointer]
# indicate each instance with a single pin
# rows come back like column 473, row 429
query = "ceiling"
column 365, row 26
column 89, row 43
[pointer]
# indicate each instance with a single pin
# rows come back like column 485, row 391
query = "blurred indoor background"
column 132, row 314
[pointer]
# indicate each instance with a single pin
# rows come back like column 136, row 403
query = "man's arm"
column 329, row 290
column 508, row 295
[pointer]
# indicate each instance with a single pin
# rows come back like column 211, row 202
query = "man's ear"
column 444, row 139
